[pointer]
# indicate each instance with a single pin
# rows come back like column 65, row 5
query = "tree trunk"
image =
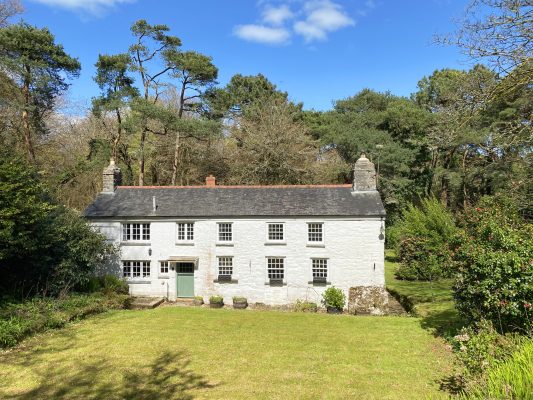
column 26, row 116
column 176, row 158
column 141, row 158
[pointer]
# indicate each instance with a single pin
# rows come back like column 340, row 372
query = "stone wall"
column 368, row 300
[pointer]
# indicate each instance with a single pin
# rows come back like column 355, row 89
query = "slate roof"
column 236, row 201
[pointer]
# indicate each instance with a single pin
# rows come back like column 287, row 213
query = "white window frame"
column 309, row 233
column 283, row 231
column 137, row 269
column 219, row 233
column 321, row 270
column 283, row 270
column 223, row 265
column 188, row 228
column 164, row 267
column 128, row 231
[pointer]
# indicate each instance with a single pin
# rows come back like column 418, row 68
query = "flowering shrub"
column 494, row 259
column 422, row 247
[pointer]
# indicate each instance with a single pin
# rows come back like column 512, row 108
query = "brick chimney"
column 364, row 175
column 111, row 177
column 210, row 181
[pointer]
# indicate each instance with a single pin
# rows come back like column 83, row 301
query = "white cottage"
column 270, row 244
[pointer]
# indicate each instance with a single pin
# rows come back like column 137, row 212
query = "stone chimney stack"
column 364, row 175
column 111, row 177
column 210, row 181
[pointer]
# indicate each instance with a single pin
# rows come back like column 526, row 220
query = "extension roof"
column 236, row 201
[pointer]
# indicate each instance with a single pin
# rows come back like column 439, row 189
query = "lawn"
column 431, row 301
column 185, row 353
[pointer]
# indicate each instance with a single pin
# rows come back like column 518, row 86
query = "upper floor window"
column 163, row 267
column 185, row 231
column 135, row 232
column 315, row 233
column 276, row 269
column 225, row 268
column 276, row 232
column 225, row 232
column 319, row 267
column 135, row 269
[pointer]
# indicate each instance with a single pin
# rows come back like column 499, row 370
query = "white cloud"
column 322, row 17
column 92, row 6
column 262, row 34
column 277, row 15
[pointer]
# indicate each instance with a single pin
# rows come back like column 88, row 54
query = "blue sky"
column 316, row 50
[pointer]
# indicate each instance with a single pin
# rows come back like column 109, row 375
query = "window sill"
column 275, row 243
column 135, row 244
column 315, row 245
column 184, row 243
column 327, row 283
column 284, row 283
column 224, row 244
column 135, row 282
column 228, row 282
column 163, row 277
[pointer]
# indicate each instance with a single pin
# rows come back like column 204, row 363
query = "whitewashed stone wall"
column 353, row 248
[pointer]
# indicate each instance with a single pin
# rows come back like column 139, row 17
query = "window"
column 320, row 269
column 225, row 268
column 275, row 232
column 163, row 267
column 276, row 268
column 225, row 233
column 185, row 231
column 135, row 232
column 136, row 269
column 314, row 233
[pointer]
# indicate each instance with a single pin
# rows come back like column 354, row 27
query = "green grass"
column 432, row 301
column 185, row 353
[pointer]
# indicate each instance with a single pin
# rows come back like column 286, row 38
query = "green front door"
column 185, row 276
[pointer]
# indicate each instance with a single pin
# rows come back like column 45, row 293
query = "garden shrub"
column 334, row 297
column 20, row 320
column 422, row 246
column 494, row 258
column 216, row 300
column 305, row 306
column 239, row 299
column 512, row 379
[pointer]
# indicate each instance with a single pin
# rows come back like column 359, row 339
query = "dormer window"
column 135, row 232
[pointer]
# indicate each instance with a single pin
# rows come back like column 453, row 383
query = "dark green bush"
column 494, row 257
column 20, row 320
column 423, row 236
column 334, row 297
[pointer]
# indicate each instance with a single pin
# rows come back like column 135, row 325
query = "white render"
column 354, row 248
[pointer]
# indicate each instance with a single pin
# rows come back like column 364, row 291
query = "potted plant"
column 198, row 301
column 334, row 300
column 216, row 302
column 240, row 302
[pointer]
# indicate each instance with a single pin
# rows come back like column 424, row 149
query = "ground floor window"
column 320, row 269
column 225, row 268
column 276, row 269
column 163, row 267
column 135, row 269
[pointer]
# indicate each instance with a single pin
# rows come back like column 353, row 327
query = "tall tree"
column 116, row 92
column 152, row 47
column 39, row 67
column 8, row 9
column 195, row 72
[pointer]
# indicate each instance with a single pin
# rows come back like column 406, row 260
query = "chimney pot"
column 111, row 177
column 364, row 175
column 210, row 181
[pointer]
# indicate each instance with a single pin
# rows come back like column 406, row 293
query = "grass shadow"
column 168, row 376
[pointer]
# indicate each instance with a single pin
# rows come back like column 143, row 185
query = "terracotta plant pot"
column 240, row 305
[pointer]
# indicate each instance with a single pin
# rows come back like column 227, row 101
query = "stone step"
column 143, row 303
